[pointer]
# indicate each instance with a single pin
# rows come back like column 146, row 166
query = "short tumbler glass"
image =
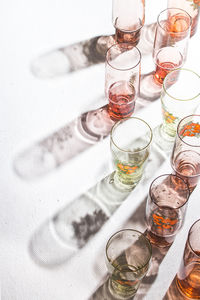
column 165, row 209
column 128, row 256
column 188, row 276
column 130, row 142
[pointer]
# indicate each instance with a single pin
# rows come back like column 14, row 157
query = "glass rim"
column 127, row 30
column 188, row 239
column 178, row 9
column 188, row 196
column 179, row 124
column 165, row 80
column 140, row 234
column 119, row 44
column 123, row 120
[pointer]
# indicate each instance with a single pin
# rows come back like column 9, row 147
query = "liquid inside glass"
column 188, row 279
column 121, row 100
column 128, row 34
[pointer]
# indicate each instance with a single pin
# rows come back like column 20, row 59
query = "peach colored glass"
column 188, row 276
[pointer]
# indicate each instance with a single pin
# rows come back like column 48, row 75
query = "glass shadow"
column 61, row 237
column 137, row 221
column 63, row 144
column 83, row 54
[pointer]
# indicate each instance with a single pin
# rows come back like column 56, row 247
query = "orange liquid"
column 132, row 37
column 188, row 279
column 121, row 100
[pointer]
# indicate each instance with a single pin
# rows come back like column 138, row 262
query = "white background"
column 32, row 108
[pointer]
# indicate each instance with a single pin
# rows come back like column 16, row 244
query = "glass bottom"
column 119, row 292
column 129, row 186
column 149, row 88
column 164, row 141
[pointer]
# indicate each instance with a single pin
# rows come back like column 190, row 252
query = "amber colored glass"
column 188, row 276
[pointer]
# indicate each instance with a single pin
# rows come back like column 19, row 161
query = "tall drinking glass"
column 180, row 97
column 128, row 256
column 165, row 209
column 192, row 8
column 122, row 78
column 171, row 41
column 188, row 276
column 128, row 19
column 185, row 159
column 130, row 142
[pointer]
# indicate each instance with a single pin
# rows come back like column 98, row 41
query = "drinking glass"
column 185, row 159
column 192, row 8
column 188, row 276
column 130, row 142
column 165, row 209
column 128, row 255
column 171, row 41
column 122, row 78
column 179, row 98
column 128, row 19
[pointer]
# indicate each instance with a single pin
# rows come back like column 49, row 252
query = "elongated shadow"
column 83, row 54
column 69, row 230
column 105, row 291
column 63, row 144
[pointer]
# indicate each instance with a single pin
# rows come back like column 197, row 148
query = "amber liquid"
column 187, row 166
column 132, row 37
column 188, row 279
column 163, row 68
column 121, row 100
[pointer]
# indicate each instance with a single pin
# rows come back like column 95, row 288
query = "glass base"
column 149, row 88
column 162, row 140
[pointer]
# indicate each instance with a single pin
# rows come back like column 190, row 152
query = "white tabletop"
column 33, row 106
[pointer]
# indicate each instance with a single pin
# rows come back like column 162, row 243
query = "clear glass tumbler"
column 130, row 142
column 128, row 256
column 188, row 276
column 180, row 97
column 128, row 19
column 122, row 79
